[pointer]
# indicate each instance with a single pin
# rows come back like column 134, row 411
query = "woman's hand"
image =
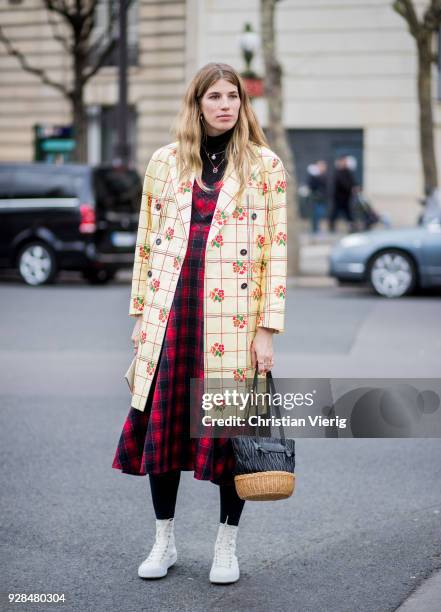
column 136, row 333
column 262, row 350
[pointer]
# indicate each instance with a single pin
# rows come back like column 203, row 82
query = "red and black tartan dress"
column 157, row 440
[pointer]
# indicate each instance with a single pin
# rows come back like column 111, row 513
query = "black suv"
column 68, row 217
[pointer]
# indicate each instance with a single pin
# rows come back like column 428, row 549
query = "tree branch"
column 432, row 16
column 60, row 8
column 106, row 36
column 26, row 66
column 89, row 20
column 100, row 61
column 54, row 26
column 92, row 9
column 76, row 20
column 406, row 9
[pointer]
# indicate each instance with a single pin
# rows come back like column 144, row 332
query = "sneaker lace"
column 159, row 549
column 224, row 553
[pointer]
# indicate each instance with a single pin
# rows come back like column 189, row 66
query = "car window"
column 5, row 182
column 45, row 182
column 117, row 189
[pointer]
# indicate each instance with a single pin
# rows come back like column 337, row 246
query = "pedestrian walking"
column 208, row 293
column 318, row 187
column 344, row 187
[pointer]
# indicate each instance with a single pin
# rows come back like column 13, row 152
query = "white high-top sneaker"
column 163, row 554
column 225, row 566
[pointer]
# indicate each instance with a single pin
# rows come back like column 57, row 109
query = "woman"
column 208, row 292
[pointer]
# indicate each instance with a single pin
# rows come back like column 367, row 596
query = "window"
column 43, row 181
column 109, row 127
column 117, row 189
column 310, row 145
column 101, row 36
column 103, row 133
column 5, row 182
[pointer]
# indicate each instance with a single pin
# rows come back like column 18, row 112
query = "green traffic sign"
column 58, row 145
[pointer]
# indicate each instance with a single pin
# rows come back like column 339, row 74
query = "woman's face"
column 220, row 107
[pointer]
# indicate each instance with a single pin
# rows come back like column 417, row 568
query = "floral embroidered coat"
column 245, row 265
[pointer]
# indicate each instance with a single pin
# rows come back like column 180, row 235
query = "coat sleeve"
column 273, row 286
column 141, row 262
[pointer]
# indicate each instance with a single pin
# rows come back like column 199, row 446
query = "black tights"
column 164, row 488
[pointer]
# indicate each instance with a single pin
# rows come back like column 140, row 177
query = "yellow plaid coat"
column 245, row 265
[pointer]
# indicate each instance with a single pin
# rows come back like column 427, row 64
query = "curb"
column 426, row 597
column 310, row 281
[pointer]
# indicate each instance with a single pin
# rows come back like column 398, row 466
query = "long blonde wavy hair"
column 189, row 131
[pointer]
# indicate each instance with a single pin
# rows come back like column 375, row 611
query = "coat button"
column 243, row 252
column 158, row 241
column 158, row 206
column 254, row 216
column 243, row 286
column 149, row 273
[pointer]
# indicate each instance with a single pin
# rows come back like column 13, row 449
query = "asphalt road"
column 361, row 531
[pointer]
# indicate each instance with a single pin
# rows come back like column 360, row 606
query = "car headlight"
column 354, row 240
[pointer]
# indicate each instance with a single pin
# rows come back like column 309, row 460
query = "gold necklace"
column 213, row 155
column 214, row 168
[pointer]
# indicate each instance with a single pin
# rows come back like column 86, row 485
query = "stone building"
column 349, row 83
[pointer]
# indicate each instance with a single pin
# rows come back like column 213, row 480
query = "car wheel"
column 98, row 277
column 392, row 274
column 37, row 264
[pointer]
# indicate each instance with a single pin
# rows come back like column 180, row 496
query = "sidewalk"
column 426, row 598
column 314, row 254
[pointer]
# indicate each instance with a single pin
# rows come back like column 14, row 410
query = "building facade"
column 349, row 83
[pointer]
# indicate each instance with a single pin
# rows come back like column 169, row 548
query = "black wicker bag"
column 264, row 465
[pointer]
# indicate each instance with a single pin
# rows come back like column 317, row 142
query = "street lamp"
column 249, row 43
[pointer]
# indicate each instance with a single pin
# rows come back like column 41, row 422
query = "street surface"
column 361, row 531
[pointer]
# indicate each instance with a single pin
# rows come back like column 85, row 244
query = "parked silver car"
column 393, row 261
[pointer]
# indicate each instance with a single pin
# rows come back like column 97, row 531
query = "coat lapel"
column 183, row 194
column 225, row 205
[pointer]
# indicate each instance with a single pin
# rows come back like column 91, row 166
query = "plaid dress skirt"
column 158, row 439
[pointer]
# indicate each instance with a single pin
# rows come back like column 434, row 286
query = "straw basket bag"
column 264, row 465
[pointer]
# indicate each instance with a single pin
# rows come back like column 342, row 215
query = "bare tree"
column 276, row 130
column 77, row 18
column 423, row 31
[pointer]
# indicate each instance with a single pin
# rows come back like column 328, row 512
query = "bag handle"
column 269, row 383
